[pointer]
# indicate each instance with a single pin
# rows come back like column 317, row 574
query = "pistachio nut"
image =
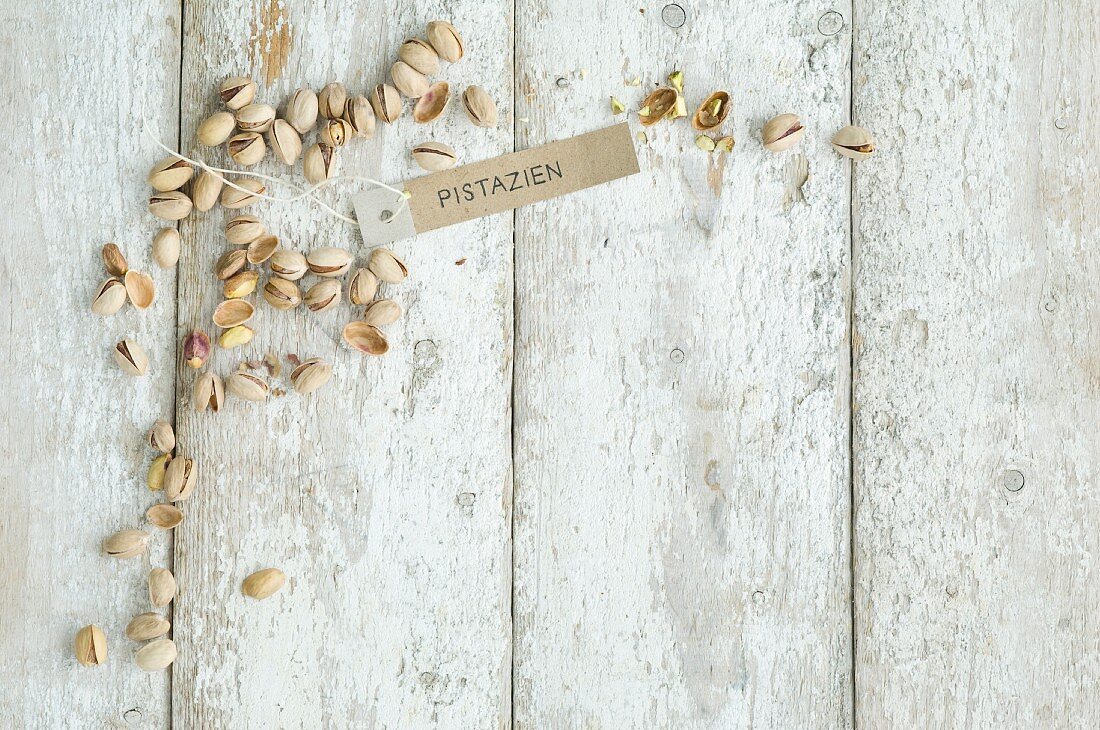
column 237, row 92
column 233, row 312
column 679, row 109
column 387, row 267
column 171, row 206
column 282, row 293
column 432, row 103
column 323, row 295
column 113, row 260
column 335, row 132
column 302, row 109
column 126, row 543
column 154, row 478
column 712, row 112
column 255, row 117
column 207, row 392
column 165, row 516
column 162, row 437
column 360, row 116
column 156, row 655
column 782, row 132
column 206, row 189
column 366, row 338
column 261, row 249
column 617, row 107
column 382, row 312
column 233, row 198
column 704, row 142
column 263, row 583
column 284, row 141
column 420, row 55
column 90, row 646
column 240, row 285
column 330, row 102
column 657, row 105
column 147, row 626
column 479, row 106
column 162, row 587
column 386, row 103
column 408, row 80
column 246, row 386
column 235, row 337
column 855, row 143
column 445, row 39
column 362, row 287
column 329, row 261
column 139, row 288
column 288, row 264
column 230, row 263
column 131, row 358
column 310, row 375
column 166, row 247
column 196, row 348
column 179, row 482
column 216, row 128
column 434, row 156
column 318, row 163
column 676, row 80
column 244, row 229
column 171, row 173
column 109, row 298
column 725, row 144
column 246, row 148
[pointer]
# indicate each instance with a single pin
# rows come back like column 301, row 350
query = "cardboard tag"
column 496, row 185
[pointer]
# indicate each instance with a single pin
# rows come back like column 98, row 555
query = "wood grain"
column 74, row 455
column 977, row 322
column 385, row 496
column 681, row 538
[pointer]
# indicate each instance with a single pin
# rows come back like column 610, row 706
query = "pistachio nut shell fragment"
column 110, row 297
column 854, row 142
column 657, row 105
column 113, row 260
column 446, row 40
column 126, row 543
column 180, row 480
column 162, row 437
column 140, row 288
column 233, row 312
column 90, row 646
column 434, row 156
column 131, row 358
column 263, row 583
column 156, row 655
column 147, row 626
column 712, row 112
column 165, row 516
column 432, row 103
column 386, row 266
column 366, row 338
column 782, row 132
column 246, row 386
column 479, row 106
column 310, row 375
column 382, row 312
column 166, row 247
column 162, row 587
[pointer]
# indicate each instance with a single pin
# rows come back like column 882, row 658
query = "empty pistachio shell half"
column 166, row 247
column 382, row 312
column 131, row 358
column 331, row 100
column 479, row 106
column 329, row 261
column 712, row 112
column 180, row 480
column 208, row 392
column 216, row 128
column 244, row 229
column 109, row 298
column 310, row 375
column 147, row 626
column 140, row 289
column 854, row 142
column 302, row 110
column 233, row 198
column 170, row 173
column 162, row 587
column 162, row 437
column 445, row 39
column 263, row 583
column 255, row 117
column 237, row 91
column 126, row 543
column 171, row 206
column 233, row 312
column 246, row 386
column 657, row 105
column 165, row 516
column 432, row 103
column 282, row 293
column 90, row 646
column 386, row 266
column 288, row 264
column 434, row 156
column 386, row 103
column 156, row 655
column 366, row 338
column 420, row 55
column 782, row 132
column 261, row 249
column 323, row 295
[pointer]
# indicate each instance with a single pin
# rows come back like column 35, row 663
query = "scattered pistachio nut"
column 329, row 261
column 434, row 156
column 420, row 55
column 261, row 249
column 126, row 543
column 263, row 583
column 479, row 106
column 704, row 143
column 237, row 92
column 282, row 293
column 109, row 298
column 235, row 337
column 154, row 478
column 90, row 646
column 725, row 144
column 208, row 392
column 855, row 143
column 617, row 107
column 162, row 437
column 445, row 39
column 244, row 229
column 162, row 587
column 387, row 267
column 408, row 80
column 366, row 338
column 310, row 375
column 131, row 358
column 246, row 148
column 432, row 103
column 331, row 100
column 318, row 163
column 165, row 516
column 233, row 312
column 216, row 128
column 676, row 80
column 386, row 103
column 179, row 482
column 246, row 386
column 712, row 112
column 382, row 312
column 113, row 260
column 255, row 117
column 288, row 264
column 156, row 655
column 657, row 105
column 166, row 247
column 323, row 295
column 196, row 348
column 360, row 116
column 241, row 284
column 362, row 287
column 170, row 206
column 335, row 132
column 302, row 110
column 230, row 263
column 146, row 626
column 284, row 141
column 233, row 198
column 679, row 109
column 139, row 288
column 171, row 173
column 782, row 132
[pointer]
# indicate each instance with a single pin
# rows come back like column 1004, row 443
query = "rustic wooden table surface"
column 755, row 440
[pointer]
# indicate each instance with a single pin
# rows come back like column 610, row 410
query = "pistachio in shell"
column 712, row 112
column 782, row 132
column 855, row 143
column 434, row 156
column 420, row 55
column 432, row 103
column 386, row 102
column 366, row 338
column 382, row 312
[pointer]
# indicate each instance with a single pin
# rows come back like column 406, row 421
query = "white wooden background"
column 735, row 442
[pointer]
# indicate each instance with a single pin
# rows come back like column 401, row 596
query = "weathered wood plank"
column 977, row 314
column 681, row 534
column 74, row 457
column 386, row 495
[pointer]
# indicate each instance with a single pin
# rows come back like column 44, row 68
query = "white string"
column 310, row 192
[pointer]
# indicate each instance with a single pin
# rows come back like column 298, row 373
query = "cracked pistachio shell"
column 261, row 249
column 237, row 92
column 420, row 55
column 166, row 247
column 445, row 39
column 479, row 106
column 408, row 80
column 660, row 102
column 285, row 142
column 196, row 348
column 434, row 156
column 331, row 100
column 263, row 583
column 246, row 386
column 335, row 132
column 240, row 285
column 162, row 437
column 310, row 375
column 366, row 338
column 386, row 103
column 360, row 116
column 109, row 298
column 131, row 358
column 855, row 143
column 712, row 112
column 164, row 515
column 206, row 189
column 113, row 260
column 323, row 295
column 432, row 103
column 162, row 587
column 329, row 261
column 233, row 312
column 318, row 163
column 126, row 543
column 233, row 198
column 216, row 128
column 387, row 267
column 246, row 148
column 156, row 655
column 244, row 229
column 288, row 264
column 382, row 312
column 146, row 626
column 302, row 110
column 179, row 482
column 362, row 287
column 170, row 206
column 154, row 478
column 139, row 288
column 782, row 132
column 230, row 263
column 208, row 392
column 236, row 336
column 282, row 293
column 90, row 646
column 171, row 173
column 255, row 117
